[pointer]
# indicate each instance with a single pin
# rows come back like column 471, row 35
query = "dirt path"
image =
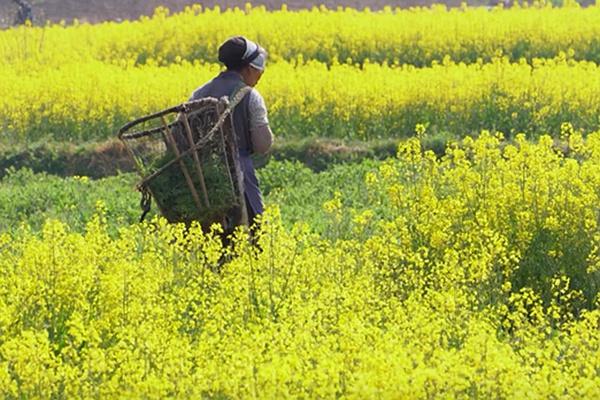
column 99, row 10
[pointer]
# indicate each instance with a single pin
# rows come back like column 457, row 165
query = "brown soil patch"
column 108, row 158
column 101, row 10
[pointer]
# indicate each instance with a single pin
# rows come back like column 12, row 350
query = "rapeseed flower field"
column 477, row 278
column 416, row 36
column 517, row 70
column 468, row 274
column 85, row 102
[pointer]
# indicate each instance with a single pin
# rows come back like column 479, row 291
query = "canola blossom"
column 90, row 101
column 481, row 282
column 415, row 36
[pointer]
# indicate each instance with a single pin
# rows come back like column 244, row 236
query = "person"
column 24, row 14
column 245, row 63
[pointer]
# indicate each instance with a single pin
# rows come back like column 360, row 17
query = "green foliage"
column 171, row 189
column 30, row 198
column 301, row 194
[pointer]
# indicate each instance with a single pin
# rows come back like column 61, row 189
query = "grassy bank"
column 97, row 160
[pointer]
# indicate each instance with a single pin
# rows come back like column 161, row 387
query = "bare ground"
column 100, row 10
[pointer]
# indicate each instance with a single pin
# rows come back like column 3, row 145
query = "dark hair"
column 231, row 53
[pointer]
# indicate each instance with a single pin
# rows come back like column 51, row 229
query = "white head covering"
column 259, row 62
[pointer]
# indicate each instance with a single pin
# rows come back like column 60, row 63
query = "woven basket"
column 187, row 158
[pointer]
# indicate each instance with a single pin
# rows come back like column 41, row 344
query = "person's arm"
column 262, row 139
column 260, row 131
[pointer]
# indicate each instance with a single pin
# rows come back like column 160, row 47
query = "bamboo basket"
column 187, row 157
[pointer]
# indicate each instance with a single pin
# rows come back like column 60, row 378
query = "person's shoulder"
column 255, row 97
column 199, row 92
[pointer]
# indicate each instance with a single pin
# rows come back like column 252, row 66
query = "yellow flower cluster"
column 415, row 36
column 483, row 284
column 92, row 100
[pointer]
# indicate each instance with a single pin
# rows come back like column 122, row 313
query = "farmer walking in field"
column 245, row 62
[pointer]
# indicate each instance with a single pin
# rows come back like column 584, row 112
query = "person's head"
column 244, row 57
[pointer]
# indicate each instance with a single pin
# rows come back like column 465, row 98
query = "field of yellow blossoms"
column 468, row 274
column 331, row 73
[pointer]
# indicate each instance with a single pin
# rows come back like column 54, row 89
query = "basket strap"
column 145, row 202
column 238, row 95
